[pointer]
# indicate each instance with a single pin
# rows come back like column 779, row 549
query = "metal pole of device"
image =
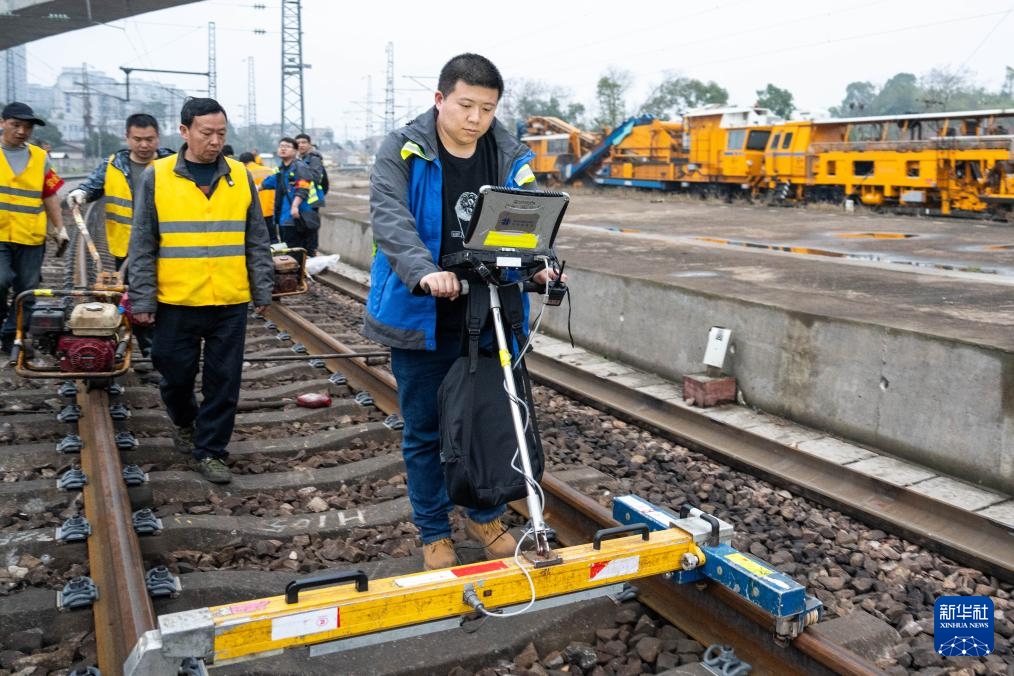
column 534, row 504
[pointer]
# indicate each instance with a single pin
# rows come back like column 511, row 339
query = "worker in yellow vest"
column 116, row 177
column 199, row 254
column 28, row 187
column 267, row 197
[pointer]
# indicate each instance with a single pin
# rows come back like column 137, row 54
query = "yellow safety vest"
column 202, row 241
column 22, row 217
column 267, row 197
column 119, row 210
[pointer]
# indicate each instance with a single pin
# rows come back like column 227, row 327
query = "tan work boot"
column 497, row 542
column 439, row 554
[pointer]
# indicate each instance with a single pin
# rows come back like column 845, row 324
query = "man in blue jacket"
column 295, row 196
column 422, row 189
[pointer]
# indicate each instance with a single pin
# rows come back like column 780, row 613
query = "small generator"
column 70, row 333
column 290, row 271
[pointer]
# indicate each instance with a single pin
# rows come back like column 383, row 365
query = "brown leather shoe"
column 497, row 542
column 439, row 554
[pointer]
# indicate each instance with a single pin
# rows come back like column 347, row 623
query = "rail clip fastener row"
column 70, row 413
column 722, row 660
column 134, row 476
column 74, row 529
column 338, row 379
column 67, row 389
column 364, row 398
column 126, row 441
column 191, row 666
column 79, row 592
column 115, row 389
column 119, row 411
column 298, row 348
column 72, row 480
column 283, row 336
column 161, row 583
column 317, row 364
column 146, row 523
column 86, row 671
column 394, row 422
column 268, row 324
column 70, row 444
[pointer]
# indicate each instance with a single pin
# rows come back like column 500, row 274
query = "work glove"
column 59, row 237
column 77, row 198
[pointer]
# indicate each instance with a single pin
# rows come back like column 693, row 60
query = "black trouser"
column 272, row 231
column 142, row 333
column 302, row 233
column 176, row 354
column 20, row 267
column 313, row 232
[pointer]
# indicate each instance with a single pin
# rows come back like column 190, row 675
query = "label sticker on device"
column 304, row 624
column 508, row 262
column 604, row 570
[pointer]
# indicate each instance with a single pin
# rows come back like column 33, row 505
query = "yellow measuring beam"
column 270, row 624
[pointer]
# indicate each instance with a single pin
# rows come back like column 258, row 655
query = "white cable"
column 538, row 318
column 523, row 405
column 531, row 583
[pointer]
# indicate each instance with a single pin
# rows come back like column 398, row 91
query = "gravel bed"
column 843, row 562
column 302, row 553
column 306, row 500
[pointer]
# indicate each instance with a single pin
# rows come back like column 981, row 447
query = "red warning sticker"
column 487, row 567
column 604, row 570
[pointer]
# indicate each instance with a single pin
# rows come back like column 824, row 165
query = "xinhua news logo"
column 963, row 625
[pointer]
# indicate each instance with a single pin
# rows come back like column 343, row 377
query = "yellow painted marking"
column 524, row 240
column 749, row 564
column 43, row 292
column 505, row 358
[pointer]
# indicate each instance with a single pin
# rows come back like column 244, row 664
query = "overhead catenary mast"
column 212, row 63
column 293, row 114
column 389, row 91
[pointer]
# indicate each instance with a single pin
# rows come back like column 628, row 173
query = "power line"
column 988, row 35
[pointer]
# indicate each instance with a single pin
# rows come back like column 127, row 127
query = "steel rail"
column 123, row 611
column 962, row 535
column 361, row 375
column 708, row 612
column 712, row 614
column 957, row 533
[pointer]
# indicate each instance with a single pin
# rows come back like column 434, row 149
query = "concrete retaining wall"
column 935, row 401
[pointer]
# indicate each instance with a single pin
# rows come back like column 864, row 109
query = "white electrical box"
column 718, row 346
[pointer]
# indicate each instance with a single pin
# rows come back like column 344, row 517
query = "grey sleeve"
column 316, row 167
column 260, row 268
column 394, row 227
column 143, row 248
column 95, row 185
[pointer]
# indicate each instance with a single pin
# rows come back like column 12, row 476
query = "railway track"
column 312, row 490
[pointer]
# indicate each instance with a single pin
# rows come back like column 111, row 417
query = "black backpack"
column 477, row 439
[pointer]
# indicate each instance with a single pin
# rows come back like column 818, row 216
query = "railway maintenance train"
column 936, row 163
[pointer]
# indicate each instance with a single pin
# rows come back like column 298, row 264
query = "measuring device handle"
column 292, row 589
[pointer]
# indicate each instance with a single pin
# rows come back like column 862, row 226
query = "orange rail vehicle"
column 947, row 163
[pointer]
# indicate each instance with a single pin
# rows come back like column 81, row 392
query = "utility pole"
column 251, row 100
column 212, row 66
column 293, row 113
column 12, row 89
column 88, row 111
column 389, row 91
column 369, row 106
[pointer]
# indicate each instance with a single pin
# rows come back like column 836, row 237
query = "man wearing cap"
column 28, row 187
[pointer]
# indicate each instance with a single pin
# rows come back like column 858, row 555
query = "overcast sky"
column 811, row 47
